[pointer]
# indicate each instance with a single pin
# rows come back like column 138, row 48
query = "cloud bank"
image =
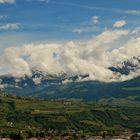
column 92, row 57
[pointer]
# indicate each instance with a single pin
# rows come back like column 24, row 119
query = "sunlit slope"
column 29, row 114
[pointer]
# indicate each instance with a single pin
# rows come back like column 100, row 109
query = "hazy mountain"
column 45, row 86
column 127, row 66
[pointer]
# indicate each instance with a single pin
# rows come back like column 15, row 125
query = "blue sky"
column 29, row 21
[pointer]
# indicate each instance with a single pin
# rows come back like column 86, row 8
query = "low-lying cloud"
column 92, row 57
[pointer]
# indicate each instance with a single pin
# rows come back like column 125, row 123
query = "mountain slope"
column 65, row 116
column 91, row 90
column 45, row 86
column 87, row 90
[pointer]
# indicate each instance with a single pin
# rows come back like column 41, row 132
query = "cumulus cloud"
column 92, row 57
column 7, row 1
column 17, row 66
column 20, row 61
column 9, row 26
column 119, row 23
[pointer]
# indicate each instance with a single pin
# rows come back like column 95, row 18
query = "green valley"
column 66, row 117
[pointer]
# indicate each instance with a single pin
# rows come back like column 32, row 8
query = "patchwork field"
column 32, row 116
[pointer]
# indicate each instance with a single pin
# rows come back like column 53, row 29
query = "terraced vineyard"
column 33, row 116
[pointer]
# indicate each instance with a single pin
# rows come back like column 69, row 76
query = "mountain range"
column 45, row 86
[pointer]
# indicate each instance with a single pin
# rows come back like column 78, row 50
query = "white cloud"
column 92, row 57
column 95, row 19
column 9, row 26
column 7, row 1
column 17, row 66
column 119, row 23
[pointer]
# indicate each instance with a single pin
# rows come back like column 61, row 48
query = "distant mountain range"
column 127, row 66
column 45, row 86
